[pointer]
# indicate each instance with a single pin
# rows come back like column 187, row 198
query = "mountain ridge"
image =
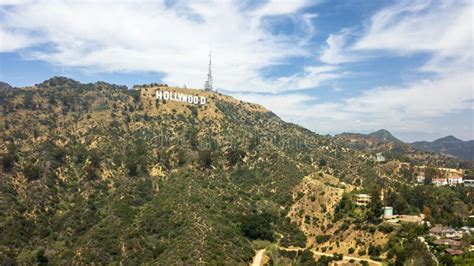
column 449, row 145
column 383, row 140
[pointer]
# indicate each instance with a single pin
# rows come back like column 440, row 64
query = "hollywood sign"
column 180, row 97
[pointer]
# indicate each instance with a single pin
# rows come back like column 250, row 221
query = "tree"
column 374, row 250
column 32, row 171
column 345, row 206
column 9, row 158
column 375, row 207
column 234, row 156
column 205, row 159
column 407, row 173
column 257, row 226
column 41, row 259
column 430, row 173
column 322, row 162
column 427, row 213
column 8, row 161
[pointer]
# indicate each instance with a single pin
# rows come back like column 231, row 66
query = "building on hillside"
column 451, row 233
column 455, row 247
column 387, row 212
column 468, row 182
column 436, row 232
column 362, row 199
column 439, row 182
column 420, row 179
column 440, row 232
column 453, row 251
column 455, row 180
column 448, row 242
column 467, row 230
column 380, row 158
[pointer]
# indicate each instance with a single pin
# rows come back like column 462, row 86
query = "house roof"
column 454, row 251
column 449, row 242
column 436, row 230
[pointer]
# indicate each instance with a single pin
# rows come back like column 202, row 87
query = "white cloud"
column 335, row 51
column 280, row 7
column 153, row 36
column 443, row 29
column 11, row 40
column 403, row 109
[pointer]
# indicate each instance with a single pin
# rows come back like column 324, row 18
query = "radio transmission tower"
column 208, row 83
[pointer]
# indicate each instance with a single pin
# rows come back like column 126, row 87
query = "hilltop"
column 378, row 141
column 99, row 173
column 449, row 146
column 384, row 135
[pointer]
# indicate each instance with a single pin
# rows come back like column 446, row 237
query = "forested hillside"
column 96, row 172
column 100, row 173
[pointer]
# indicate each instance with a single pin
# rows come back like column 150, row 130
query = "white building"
column 455, row 180
column 362, row 199
column 440, row 182
column 387, row 212
column 420, row 179
column 380, row 158
column 469, row 183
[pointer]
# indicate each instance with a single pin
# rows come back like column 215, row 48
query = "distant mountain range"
column 449, row 145
column 5, row 85
column 378, row 141
column 383, row 140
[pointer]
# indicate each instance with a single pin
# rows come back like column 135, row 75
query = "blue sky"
column 331, row 66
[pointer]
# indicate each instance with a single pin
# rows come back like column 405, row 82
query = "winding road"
column 257, row 259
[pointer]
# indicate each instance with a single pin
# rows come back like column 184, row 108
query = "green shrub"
column 322, row 238
column 257, row 226
column 32, row 171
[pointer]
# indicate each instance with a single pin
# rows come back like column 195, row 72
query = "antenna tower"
column 208, row 83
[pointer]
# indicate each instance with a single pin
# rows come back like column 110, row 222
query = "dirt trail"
column 346, row 258
column 257, row 260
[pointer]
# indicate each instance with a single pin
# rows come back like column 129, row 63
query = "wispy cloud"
column 335, row 51
column 173, row 39
column 402, row 109
column 441, row 30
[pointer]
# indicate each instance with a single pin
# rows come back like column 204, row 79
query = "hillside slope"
column 99, row 173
